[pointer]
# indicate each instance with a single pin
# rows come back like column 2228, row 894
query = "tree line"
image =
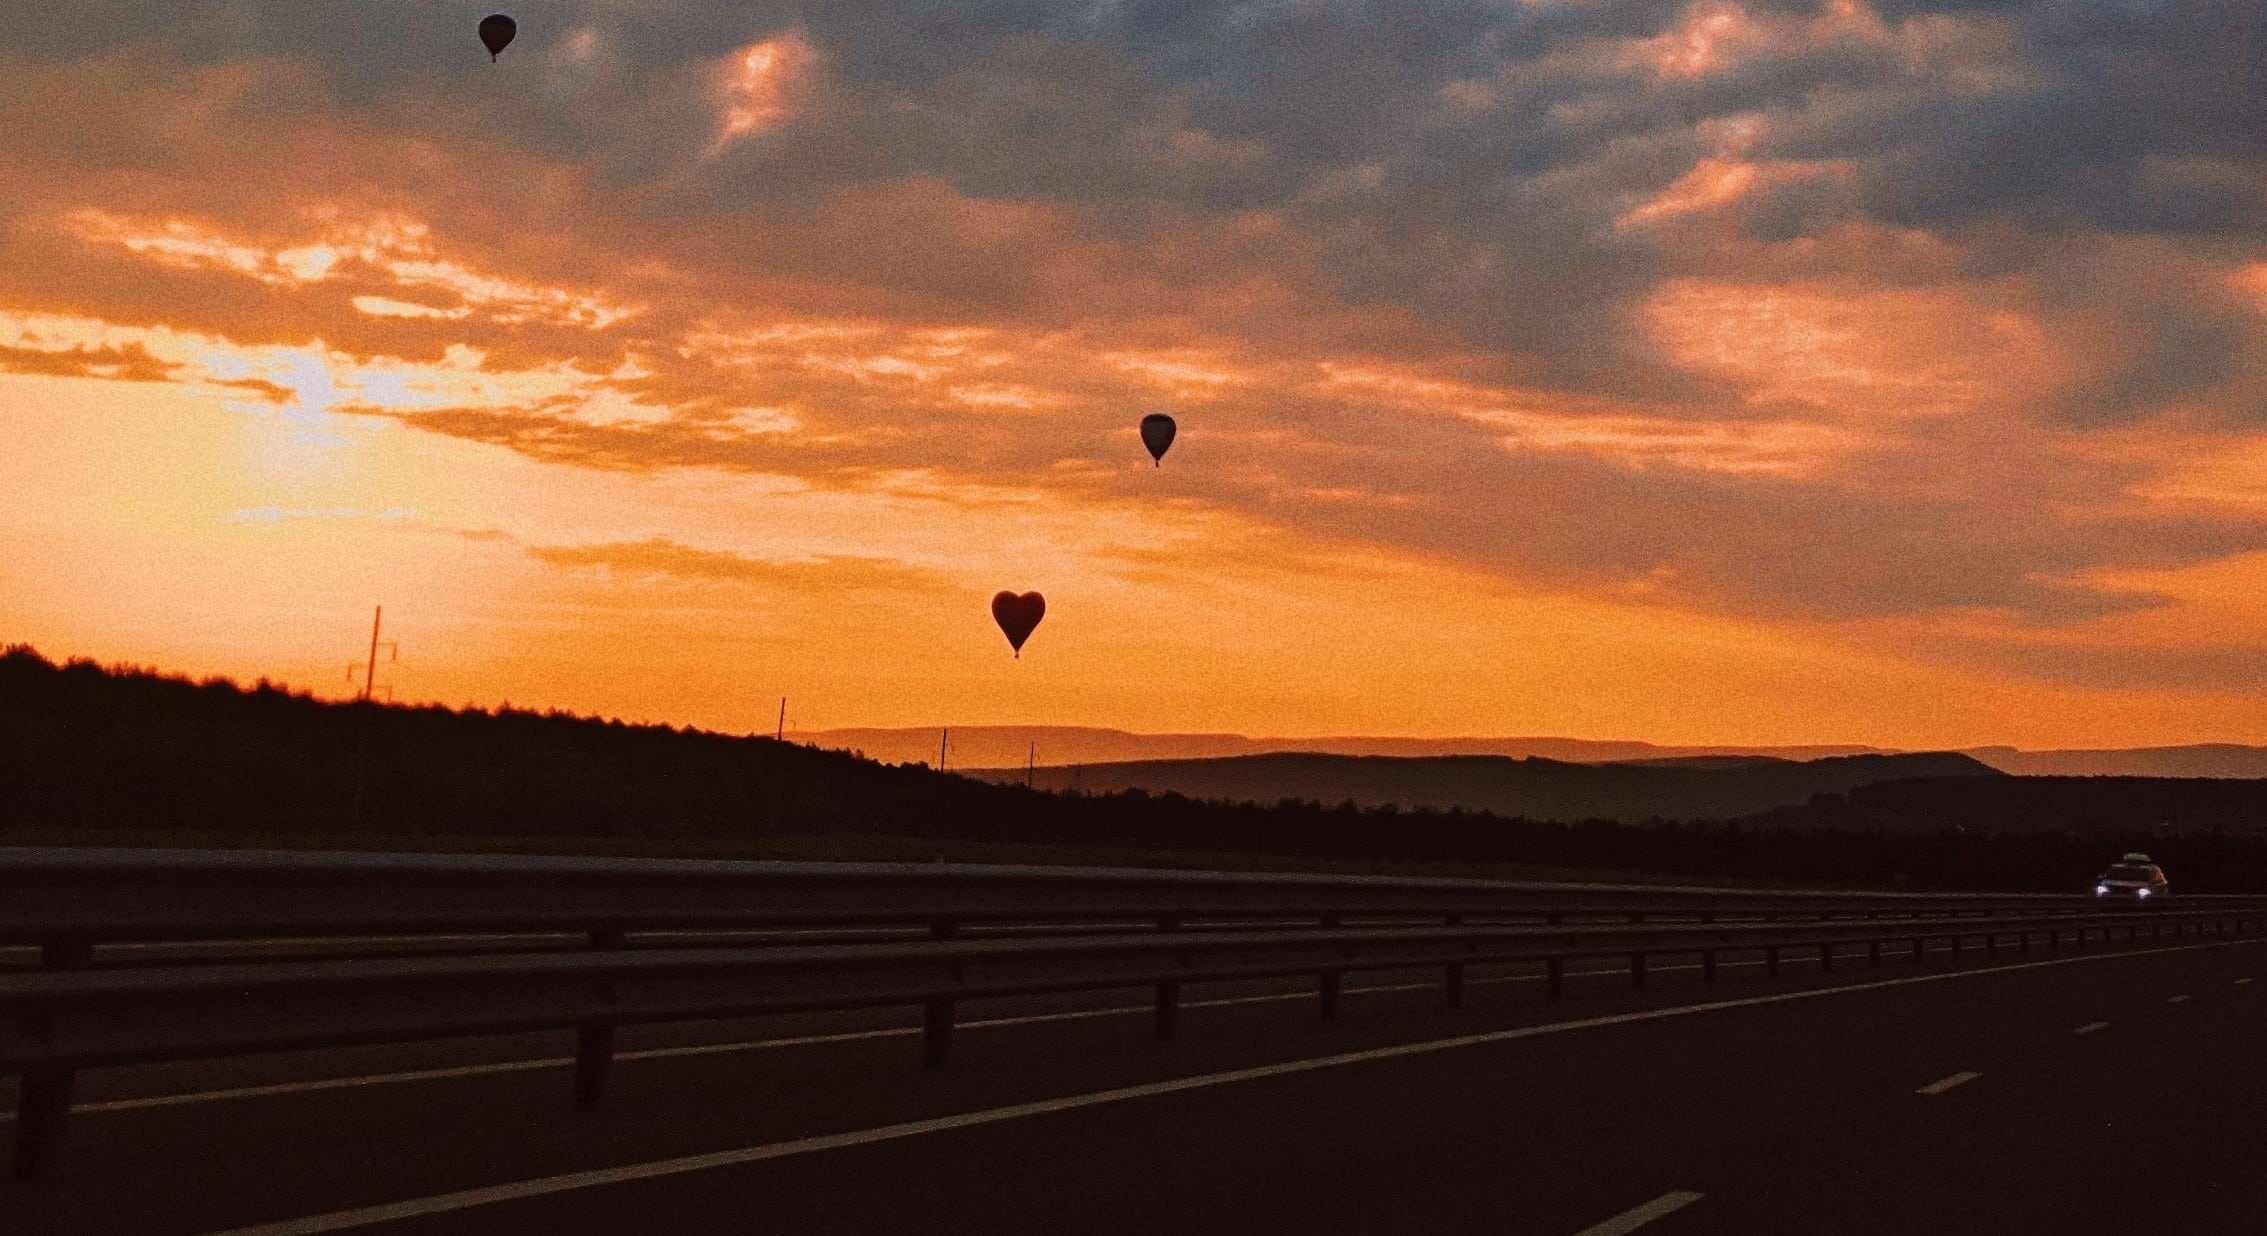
column 89, row 752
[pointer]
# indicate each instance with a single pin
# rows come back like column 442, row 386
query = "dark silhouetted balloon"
column 1017, row 615
column 496, row 31
column 1157, row 430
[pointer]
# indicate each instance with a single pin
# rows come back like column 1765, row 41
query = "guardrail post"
column 43, row 1097
column 1826, row 956
column 1169, row 992
column 1333, row 981
column 594, row 1041
column 1456, row 971
column 1554, row 975
column 936, row 1015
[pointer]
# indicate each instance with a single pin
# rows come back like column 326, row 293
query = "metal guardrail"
column 147, row 956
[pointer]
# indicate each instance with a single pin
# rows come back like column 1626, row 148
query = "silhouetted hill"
column 1698, row 788
column 2045, row 804
column 1704, row 761
column 82, row 747
column 96, row 756
column 1005, row 746
column 2217, row 759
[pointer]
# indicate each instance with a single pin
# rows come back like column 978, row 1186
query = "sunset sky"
column 1709, row 372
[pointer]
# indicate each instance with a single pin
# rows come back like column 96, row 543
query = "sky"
column 1709, row 372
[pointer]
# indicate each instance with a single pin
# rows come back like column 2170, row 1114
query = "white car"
column 2133, row 877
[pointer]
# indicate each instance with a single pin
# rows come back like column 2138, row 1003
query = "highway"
column 2097, row 1092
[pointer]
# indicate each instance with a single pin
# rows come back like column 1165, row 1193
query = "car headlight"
column 2100, row 889
column 2140, row 892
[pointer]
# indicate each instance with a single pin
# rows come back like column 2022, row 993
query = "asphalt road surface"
column 2121, row 1091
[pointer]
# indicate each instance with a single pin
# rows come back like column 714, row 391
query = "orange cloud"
column 1672, row 375
column 759, row 85
column 662, row 557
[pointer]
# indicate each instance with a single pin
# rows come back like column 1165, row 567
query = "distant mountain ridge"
column 94, row 756
column 1004, row 746
column 1688, row 788
column 1000, row 746
column 2224, row 760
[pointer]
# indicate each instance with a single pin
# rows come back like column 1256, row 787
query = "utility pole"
column 782, row 735
column 369, row 686
column 370, row 670
column 1030, row 764
column 944, row 741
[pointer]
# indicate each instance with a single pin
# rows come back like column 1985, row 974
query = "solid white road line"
column 2176, row 999
column 274, row 1089
column 2090, row 1027
column 1638, row 1216
column 1943, row 1084
column 697, row 1049
column 343, row 1220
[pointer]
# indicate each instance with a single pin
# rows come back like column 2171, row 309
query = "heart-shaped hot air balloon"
column 1017, row 616
column 496, row 31
column 1157, row 430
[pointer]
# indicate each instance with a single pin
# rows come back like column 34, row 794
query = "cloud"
column 128, row 363
column 1809, row 311
column 662, row 558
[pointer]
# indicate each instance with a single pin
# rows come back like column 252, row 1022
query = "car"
column 2133, row 877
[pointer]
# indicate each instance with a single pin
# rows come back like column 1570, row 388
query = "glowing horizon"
column 1748, row 374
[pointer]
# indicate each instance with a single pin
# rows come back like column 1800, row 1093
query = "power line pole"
column 370, row 670
column 782, row 735
column 369, row 686
column 370, row 673
column 944, row 740
column 1030, row 764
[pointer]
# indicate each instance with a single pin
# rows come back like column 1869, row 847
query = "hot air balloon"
column 1157, row 430
column 1017, row 615
column 496, row 31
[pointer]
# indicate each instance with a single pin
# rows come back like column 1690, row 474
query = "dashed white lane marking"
column 2176, row 999
column 2090, row 1027
column 343, row 1220
column 2241, row 981
column 1943, row 1084
column 1638, row 1216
